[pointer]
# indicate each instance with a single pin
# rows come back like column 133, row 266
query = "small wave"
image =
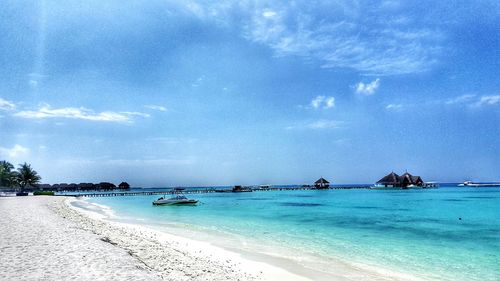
column 96, row 208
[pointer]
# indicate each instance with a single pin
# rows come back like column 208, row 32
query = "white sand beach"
column 42, row 238
column 46, row 238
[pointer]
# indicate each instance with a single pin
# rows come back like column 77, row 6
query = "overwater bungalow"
column 404, row 181
column 239, row 188
column 124, row 185
column 322, row 184
column 407, row 179
column 44, row 186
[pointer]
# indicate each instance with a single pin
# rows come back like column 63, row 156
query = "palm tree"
column 7, row 176
column 27, row 176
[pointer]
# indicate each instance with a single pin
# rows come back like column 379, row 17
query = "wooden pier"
column 199, row 191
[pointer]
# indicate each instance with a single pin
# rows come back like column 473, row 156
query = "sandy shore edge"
column 72, row 243
column 248, row 264
column 173, row 257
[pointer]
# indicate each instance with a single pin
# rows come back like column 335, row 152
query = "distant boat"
column 473, row 184
column 177, row 199
column 431, row 184
column 384, row 187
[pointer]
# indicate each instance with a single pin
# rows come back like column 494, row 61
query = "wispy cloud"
column 394, row 107
column 342, row 40
column 474, row 101
column 488, row 100
column 82, row 113
column 15, row 152
column 372, row 38
column 342, row 142
column 325, row 124
column 269, row 13
column 323, row 102
column 368, row 88
column 198, row 81
column 461, row 99
column 156, row 107
column 317, row 125
column 6, row 105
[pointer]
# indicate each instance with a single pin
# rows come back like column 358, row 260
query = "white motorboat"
column 177, row 199
column 473, row 184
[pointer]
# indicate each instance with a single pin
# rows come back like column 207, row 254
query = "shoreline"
column 135, row 250
column 306, row 267
column 228, row 262
column 47, row 239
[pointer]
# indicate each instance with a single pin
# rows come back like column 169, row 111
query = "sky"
column 199, row 93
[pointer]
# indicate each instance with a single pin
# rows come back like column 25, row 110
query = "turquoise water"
column 418, row 232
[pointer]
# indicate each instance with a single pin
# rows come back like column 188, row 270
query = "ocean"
column 450, row 233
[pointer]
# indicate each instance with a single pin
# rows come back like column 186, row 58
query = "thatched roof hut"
column 44, row 186
column 124, row 185
column 405, row 180
column 321, row 183
column 391, row 179
column 417, row 180
column 239, row 188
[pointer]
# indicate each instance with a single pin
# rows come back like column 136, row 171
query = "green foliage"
column 43, row 192
column 8, row 177
column 26, row 176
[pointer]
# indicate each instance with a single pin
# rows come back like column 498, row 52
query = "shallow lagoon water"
column 436, row 234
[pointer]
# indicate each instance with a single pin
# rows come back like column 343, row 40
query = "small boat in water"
column 177, row 199
column 431, row 184
column 473, row 184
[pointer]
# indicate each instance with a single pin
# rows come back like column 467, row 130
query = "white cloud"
column 6, row 105
column 46, row 111
column 269, row 13
column 351, row 37
column 368, row 88
column 198, row 81
column 394, row 107
column 317, row 125
column 342, row 142
column 461, row 99
column 474, row 101
column 367, row 36
column 15, row 152
column 131, row 113
column 156, row 107
column 488, row 100
column 325, row 124
column 316, row 102
column 323, row 102
column 329, row 102
column 35, row 79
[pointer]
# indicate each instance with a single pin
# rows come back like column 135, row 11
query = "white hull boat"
column 177, row 199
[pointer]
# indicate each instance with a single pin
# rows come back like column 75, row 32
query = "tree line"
column 21, row 177
column 25, row 177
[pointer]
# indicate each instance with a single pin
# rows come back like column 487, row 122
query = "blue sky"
column 220, row 92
